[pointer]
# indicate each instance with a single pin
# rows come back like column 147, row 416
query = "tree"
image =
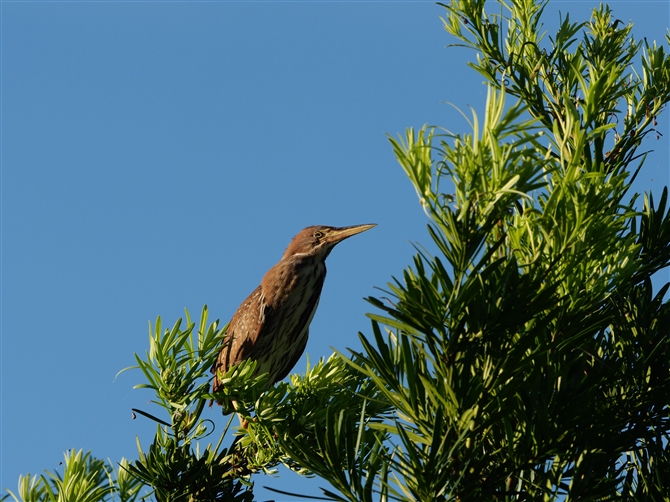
column 529, row 358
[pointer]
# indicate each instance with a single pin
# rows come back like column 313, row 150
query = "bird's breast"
column 290, row 285
column 291, row 290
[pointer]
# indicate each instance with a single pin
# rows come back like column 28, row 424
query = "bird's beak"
column 339, row 234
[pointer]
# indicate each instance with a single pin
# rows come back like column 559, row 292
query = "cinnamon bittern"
column 272, row 324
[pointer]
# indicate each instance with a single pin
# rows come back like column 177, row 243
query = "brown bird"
column 272, row 324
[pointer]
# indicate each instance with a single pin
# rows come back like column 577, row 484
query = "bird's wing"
column 255, row 332
column 241, row 335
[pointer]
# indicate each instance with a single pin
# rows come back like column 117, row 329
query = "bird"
column 271, row 326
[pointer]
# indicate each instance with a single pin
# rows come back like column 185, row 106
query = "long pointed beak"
column 339, row 234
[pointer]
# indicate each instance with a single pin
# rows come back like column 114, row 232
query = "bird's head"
column 319, row 240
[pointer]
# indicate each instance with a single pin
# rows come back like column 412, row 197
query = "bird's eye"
column 318, row 234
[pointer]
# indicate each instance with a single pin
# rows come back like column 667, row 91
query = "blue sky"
column 161, row 155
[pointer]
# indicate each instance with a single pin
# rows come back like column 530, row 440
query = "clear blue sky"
column 161, row 155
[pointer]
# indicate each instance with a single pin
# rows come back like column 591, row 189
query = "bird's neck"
column 292, row 275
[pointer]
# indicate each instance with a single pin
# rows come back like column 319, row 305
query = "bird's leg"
column 244, row 423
